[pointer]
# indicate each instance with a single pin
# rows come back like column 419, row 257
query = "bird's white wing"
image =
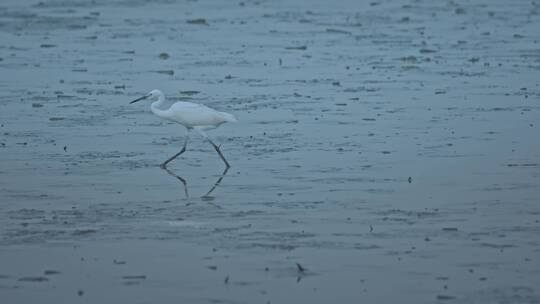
column 194, row 114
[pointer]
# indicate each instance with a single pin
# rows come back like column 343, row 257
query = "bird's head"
column 152, row 95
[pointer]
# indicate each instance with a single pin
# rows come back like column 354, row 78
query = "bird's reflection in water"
column 206, row 196
column 182, row 180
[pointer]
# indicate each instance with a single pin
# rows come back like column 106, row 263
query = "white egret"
column 193, row 116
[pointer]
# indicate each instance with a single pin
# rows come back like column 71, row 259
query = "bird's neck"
column 155, row 107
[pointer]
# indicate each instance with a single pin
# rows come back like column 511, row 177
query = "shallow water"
column 390, row 148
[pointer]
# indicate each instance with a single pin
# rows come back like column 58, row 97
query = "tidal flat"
column 386, row 152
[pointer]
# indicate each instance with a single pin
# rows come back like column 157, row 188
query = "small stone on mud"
column 164, row 56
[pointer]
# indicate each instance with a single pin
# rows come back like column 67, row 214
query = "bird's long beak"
column 140, row 98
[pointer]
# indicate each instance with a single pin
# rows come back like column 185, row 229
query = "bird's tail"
column 228, row 117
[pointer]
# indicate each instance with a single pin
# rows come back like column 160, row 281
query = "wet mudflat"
column 390, row 148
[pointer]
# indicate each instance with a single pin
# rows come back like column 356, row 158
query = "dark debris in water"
column 452, row 229
column 134, row 277
column 165, row 72
column 337, row 31
column 27, row 214
column 523, row 165
column 427, row 51
column 51, row 272
column 299, row 48
column 84, row 232
column 445, row 297
column 190, row 92
column 33, row 279
column 198, row 21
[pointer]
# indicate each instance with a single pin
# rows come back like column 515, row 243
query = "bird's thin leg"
column 203, row 134
column 164, row 165
column 219, row 152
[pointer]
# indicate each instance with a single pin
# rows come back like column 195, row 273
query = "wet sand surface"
column 390, row 148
